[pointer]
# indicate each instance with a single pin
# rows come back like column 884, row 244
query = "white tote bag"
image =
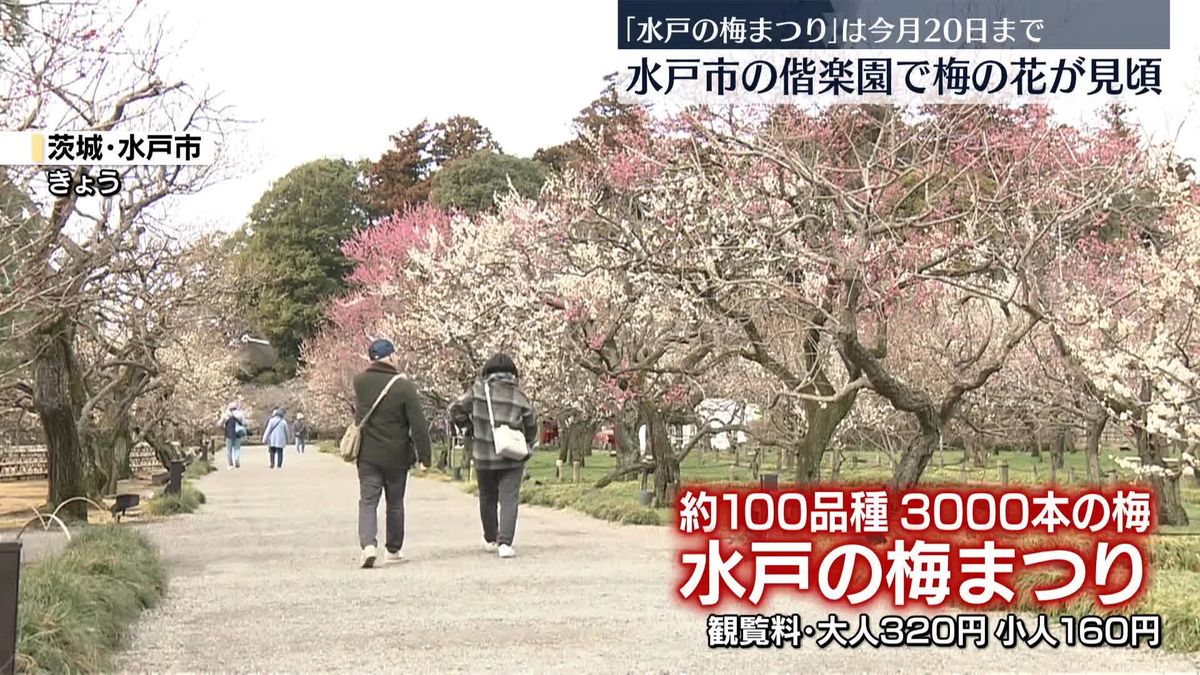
column 509, row 442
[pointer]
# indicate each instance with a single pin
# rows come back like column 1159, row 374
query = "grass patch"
column 1172, row 595
column 1174, row 585
column 862, row 466
column 434, row 474
column 76, row 607
column 199, row 468
column 617, row 503
column 1175, row 553
column 613, row 503
column 188, row 500
column 328, row 447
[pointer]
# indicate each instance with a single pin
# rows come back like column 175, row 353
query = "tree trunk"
column 102, row 465
column 915, row 457
column 465, row 459
column 628, row 448
column 1059, row 451
column 1165, row 484
column 122, row 448
column 1170, row 502
column 666, row 463
column 164, row 452
column 811, row 450
column 822, row 422
column 108, row 453
column 976, row 452
column 807, row 464
column 1095, row 430
column 53, row 402
column 564, row 445
column 580, row 436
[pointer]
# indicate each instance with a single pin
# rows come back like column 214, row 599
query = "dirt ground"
column 19, row 498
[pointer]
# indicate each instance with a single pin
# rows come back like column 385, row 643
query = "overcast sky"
column 336, row 80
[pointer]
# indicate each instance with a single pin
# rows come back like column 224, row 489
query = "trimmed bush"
column 1178, row 553
column 76, row 607
column 612, row 503
column 605, row 504
column 198, row 469
column 188, row 500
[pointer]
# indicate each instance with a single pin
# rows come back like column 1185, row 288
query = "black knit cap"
column 500, row 363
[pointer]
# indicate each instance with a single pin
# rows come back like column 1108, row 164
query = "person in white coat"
column 275, row 437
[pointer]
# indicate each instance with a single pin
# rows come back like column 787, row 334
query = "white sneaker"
column 507, row 551
column 368, row 556
column 394, row 557
column 490, row 546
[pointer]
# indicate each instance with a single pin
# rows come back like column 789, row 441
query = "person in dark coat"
column 499, row 477
column 394, row 439
column 300, row 432
column 234, row 424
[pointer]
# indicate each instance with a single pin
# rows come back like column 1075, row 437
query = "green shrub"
column 76, row 607
column 188, row 500
column 1178, row 553
column 614, row 503
column 199, row 468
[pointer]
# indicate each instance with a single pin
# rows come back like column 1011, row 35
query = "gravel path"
column 264, row 579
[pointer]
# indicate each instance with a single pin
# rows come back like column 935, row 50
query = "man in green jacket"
column 394, row 439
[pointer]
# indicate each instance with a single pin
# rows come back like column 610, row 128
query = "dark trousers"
column 372, row 480
column 499, row 487
column 276, row 457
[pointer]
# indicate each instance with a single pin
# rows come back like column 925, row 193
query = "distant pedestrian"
column 275, row 437
column 300, row 431
column 395, row 437
column 494, row 401
column 234, row 424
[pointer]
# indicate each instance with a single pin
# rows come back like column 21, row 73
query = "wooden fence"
column 28, row 462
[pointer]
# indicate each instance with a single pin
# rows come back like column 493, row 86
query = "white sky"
column 336, row 79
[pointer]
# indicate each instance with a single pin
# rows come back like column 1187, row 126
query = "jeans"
column 276, row 457
column 300, row 446
column 233, row 451
column 500, row 487
column 373, row 479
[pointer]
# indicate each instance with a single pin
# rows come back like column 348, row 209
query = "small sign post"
column 175, row 480
column 10, row 576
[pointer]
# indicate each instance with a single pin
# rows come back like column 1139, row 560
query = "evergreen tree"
column 292, row 256
column 403, row 175
column 599, row 123
column 471, row 183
